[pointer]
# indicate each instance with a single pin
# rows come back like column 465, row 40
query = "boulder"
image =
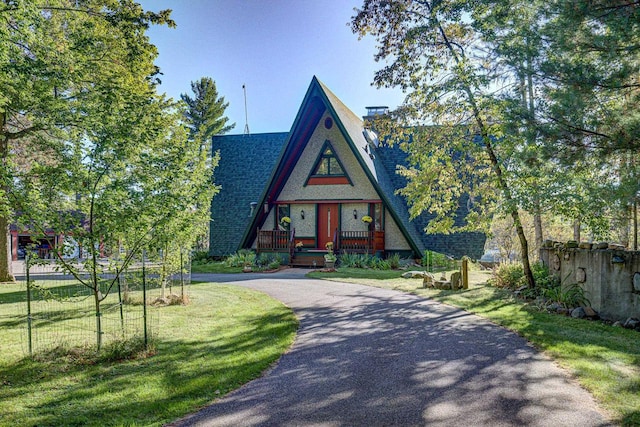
column 585, row 245
column 617, row 247
column 590, row 312
column 456, row 280
column 632, row 323
column 578, row 313
column 427, row 282
column 600, row 245
column 571, row 244
column 415, row 274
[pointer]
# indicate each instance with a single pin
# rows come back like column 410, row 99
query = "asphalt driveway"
column 373, row 357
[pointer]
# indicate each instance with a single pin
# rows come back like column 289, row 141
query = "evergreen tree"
column 205, row 111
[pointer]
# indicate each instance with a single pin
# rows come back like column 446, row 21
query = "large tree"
column 205, row 116
column 205, row 110
column 64, row 66
column 435, row 52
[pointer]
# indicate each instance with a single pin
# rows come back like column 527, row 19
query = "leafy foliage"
column 241, row 258
column 205, row 111
column 569, row 296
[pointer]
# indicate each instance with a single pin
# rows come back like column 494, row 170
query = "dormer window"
column 328, row 169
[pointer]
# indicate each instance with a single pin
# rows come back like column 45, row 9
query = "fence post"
column 29, row 321
column 120, row 302
column 465, row 273
column 181, row 277
column 144, row 299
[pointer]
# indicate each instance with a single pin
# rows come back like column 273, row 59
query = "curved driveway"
column 365, row 356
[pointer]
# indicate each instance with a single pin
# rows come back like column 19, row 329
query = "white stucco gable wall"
column 294, row 188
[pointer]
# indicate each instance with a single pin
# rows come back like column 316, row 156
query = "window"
column 283, row 220
column 376, row 212
column 328, row 164
column 328, row 169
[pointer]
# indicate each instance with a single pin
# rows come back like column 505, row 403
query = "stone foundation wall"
column 610, row 277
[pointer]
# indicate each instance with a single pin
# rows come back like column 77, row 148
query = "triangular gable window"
column 328, row 169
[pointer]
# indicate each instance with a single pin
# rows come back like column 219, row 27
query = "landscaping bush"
column 355, row 260
column 200, row 257
column 570, row 297
column 268, row 261
column 508, row 275
column 544, row 282
column 241, row 258
column 435, row 261
column 394, row 261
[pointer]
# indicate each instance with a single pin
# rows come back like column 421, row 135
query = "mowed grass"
column 604, row 359
column 224, row 338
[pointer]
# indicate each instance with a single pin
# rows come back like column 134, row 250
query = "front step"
column 307, row 259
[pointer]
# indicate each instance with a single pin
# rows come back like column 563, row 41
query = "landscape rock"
column 572, row 244
column 617, row 247
column 427, row 282
column 590, row 312
column 585, row 245
column 442, row 284
column 415, row 274
column 456, row 280
column 578, row 313
column 555, row 307
column 617, row 324
column 632, row 323
column 600, row 245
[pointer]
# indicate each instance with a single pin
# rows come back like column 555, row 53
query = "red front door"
column 328, row 221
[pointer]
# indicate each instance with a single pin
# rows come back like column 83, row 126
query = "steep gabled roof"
column 245, row 166
column 255, row 168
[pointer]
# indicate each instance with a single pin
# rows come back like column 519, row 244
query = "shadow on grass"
column 181, row 377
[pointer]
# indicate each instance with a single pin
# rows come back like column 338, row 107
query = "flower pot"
column 329, row 264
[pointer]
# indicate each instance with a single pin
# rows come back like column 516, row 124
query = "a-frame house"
column 292, row 193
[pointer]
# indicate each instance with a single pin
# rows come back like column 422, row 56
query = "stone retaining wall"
column 610, row 277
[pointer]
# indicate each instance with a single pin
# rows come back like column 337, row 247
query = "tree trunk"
column 635, row 225
column 537, row 225
column 495, row 164
column 6, row 273
column 576, row 230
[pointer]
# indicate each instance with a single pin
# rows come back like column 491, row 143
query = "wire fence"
column 73, row 307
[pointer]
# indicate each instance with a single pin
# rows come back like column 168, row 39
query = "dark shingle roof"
column 245, row 166
column 457, row 244
column 247, row 163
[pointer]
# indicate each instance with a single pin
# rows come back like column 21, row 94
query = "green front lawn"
column 224, row 338
column 604, row 359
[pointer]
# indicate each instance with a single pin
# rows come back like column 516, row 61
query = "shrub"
column 571, row 296
column 241, row 258
column 394, row 261
column 544, row 282
column 379, row 264
column 433, row 261
column 508, row 275
column 200, row 257
column 268, row 261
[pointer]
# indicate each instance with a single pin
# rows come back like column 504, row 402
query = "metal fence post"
column 29, row 320
column 144, row 299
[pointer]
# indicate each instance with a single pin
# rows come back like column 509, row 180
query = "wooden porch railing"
column 356, row 242
column 343, row 241
column 275, row 240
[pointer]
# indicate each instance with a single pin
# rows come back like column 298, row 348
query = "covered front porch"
column 306, row 252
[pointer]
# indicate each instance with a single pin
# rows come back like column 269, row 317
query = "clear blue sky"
column 274, row 47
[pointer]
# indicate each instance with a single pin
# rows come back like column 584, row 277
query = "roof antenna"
column 246, row 116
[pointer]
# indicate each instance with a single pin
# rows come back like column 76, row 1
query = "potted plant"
column 329, row 258
column 285, row 221
column 299, row 246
